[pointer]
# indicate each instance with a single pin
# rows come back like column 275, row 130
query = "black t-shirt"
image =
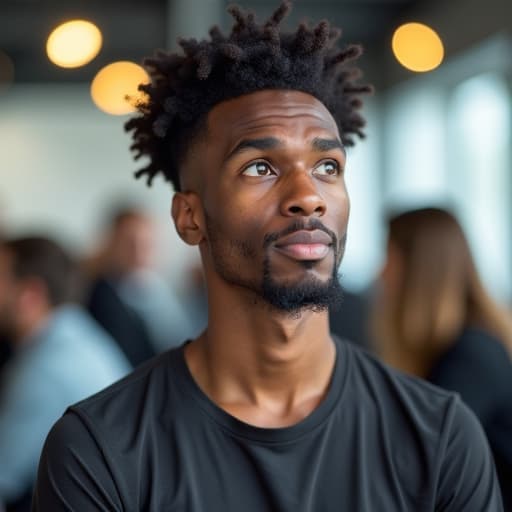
column 379, row 441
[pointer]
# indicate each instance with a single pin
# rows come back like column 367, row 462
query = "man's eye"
column 327, row 168
column 258, row 169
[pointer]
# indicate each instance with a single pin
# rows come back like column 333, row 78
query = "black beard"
column 310, row 294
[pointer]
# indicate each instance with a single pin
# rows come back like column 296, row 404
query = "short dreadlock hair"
column 184, row 88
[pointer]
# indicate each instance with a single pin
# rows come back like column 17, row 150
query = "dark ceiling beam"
column 134, row 28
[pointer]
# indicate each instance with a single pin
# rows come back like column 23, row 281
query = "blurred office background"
column 442, row 136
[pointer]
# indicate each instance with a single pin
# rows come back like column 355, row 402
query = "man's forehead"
column 267, row 107
column 283, row 115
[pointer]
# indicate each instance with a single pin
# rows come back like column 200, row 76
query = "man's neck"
column 268, row 368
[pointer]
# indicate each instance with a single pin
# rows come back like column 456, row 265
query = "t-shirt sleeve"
column 73, row 474
column 468, row 478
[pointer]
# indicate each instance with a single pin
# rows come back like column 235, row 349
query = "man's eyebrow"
column 320, row 144
column 262, row 144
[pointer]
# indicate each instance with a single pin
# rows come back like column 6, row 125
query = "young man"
column 264, row 411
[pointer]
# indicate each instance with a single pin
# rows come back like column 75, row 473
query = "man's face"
column 274, row 197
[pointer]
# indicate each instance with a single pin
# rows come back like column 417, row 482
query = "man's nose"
column 301, row 196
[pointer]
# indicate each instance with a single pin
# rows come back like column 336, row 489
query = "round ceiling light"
column 74, row 43
column 114, row 88
column 417, row 47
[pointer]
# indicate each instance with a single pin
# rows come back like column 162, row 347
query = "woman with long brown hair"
column 434, row 319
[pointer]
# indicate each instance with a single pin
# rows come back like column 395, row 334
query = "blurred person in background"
column 128, row 297
column 60, row 356
column 434, row 319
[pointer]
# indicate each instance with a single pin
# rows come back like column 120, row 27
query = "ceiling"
column 132, row 29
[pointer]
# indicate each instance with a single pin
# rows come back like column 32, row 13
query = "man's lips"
column 305, row 245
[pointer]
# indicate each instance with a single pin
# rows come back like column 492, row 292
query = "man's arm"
column 468, row 479
column 73, row 474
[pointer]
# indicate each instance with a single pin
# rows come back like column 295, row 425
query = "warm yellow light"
column 417, row 47
column 114, row 83
column 74, row 44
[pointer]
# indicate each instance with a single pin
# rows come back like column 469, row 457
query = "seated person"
column 60, row 355
column 435, row 320
column 128, row 297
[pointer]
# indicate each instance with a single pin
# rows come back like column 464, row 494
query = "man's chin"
column 310, row 294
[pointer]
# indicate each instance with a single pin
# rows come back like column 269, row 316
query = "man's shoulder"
column 413, row 416
column 368, row 371
column 99, row 439
column 400, row 399
column 148, row 388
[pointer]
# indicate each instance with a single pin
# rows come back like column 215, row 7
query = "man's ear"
column 187, row 213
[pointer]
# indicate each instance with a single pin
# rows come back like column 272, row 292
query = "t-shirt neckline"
column 257, row 434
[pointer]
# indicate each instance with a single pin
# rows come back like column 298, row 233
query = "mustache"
column 299, row 225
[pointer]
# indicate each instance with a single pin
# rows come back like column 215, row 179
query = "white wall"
column 448, row 140
column 63, row 163
column 363, row 255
